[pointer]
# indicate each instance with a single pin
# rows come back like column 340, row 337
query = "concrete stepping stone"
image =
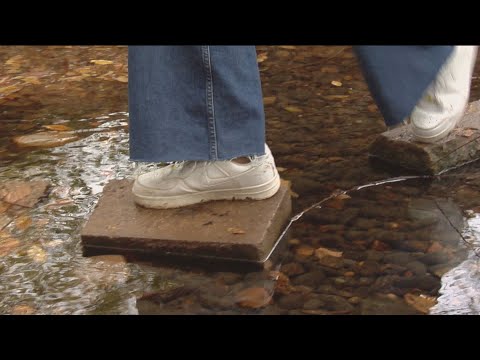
column 244, row 231
column 397, row 147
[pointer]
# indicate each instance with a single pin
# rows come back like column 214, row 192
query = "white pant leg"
column 445, row 100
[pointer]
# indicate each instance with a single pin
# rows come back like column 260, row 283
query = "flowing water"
column 362, row 240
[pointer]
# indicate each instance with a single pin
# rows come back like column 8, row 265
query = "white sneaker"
column 445, row 101
column 192, row 182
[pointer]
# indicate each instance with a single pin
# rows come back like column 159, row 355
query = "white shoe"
column 445, row 100
column 192, row 182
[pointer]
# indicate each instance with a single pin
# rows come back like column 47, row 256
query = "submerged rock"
column 45, row 139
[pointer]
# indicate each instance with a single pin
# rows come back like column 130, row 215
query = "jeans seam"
column 212, row 131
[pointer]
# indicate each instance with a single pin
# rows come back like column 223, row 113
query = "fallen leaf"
column 329, row 69
column 31, row 80
column 23, row 222
column 322, row 252
column 294, row 241
column 344, row 197
column 422, row 303
column 293, row 109
column 281, row 169
column 57, row 127
column 305, row 250
column 235, row 231
column 372, row 108
column 288, row 47
column 262, row 57
column 392, row 225
column 335, row 203
column 101, row 62
column 336, row 97
column 253, row 298
column 22, row 310
column 336, row 83
column 269, row 100
column 8, row 90
column 349, row 274
column 122, row 79
column 14, row 60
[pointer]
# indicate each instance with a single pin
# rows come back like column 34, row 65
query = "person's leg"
column 444, row 102
column 194, row 103
column 397, row 76
column 203, row 106
column 427, row 86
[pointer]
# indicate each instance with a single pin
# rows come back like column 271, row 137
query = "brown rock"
column 312, row 279
column 292, row 269
column 354, row 300
column 3, row 206
column 379, row 246
column 8, row 245
column 253, row 298
column 23, row 193
column 435, row 247
column 331, row 262
column 304, row 250
column 292, row 301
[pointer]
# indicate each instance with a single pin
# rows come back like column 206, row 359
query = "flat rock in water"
column 234, row 230
column 45, row 139
column 398, row 148
column 23, row 193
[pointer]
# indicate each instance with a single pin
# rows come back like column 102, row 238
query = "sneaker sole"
column 259, row 192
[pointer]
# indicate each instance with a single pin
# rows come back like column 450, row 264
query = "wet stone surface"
column 462, row 146
column 220, row 229
column 403, row 246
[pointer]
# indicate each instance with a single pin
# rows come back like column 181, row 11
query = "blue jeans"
column 194, row 103
column 205, row 102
